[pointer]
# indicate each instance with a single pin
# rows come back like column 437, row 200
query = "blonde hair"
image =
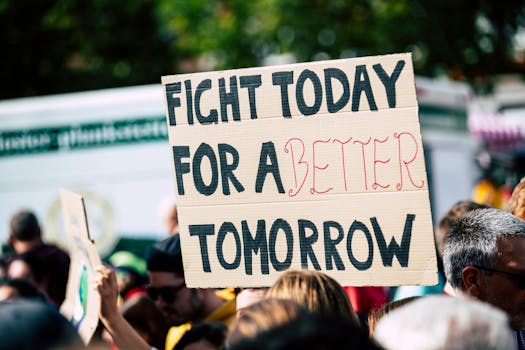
column 516, row 203
column 318, row 292
column 262, row 316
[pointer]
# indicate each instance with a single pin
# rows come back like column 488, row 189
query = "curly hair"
column 516, row 202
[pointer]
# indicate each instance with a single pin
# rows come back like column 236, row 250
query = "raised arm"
column 124, row 336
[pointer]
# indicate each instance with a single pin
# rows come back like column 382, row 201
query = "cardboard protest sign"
column 313, row 165
column 82, row 302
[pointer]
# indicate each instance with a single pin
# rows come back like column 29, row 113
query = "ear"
column 472, row 280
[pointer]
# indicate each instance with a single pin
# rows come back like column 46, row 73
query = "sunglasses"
column 167, row 293
column 518, row 278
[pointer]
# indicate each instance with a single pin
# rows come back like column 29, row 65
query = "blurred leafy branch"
column 53, row 46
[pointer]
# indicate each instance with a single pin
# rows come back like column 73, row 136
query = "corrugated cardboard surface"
column 347, row 167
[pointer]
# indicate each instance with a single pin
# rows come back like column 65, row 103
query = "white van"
column 109, row 145
column 112, row 147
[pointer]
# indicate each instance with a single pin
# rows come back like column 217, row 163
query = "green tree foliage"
column 51, row 46
column 220, row 34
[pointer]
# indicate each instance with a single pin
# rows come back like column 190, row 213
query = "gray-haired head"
column 473, row 241
column 445, row 323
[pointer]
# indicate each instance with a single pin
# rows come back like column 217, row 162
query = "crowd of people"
column 479, row 302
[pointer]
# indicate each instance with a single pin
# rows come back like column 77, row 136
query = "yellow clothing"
column 175, row 333
column 226, row 293
column 225, row 314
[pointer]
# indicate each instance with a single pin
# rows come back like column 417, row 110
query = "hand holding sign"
column 123, row 334
column 106, row 284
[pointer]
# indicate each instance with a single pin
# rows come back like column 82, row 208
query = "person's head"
column 442, row 322
column 24, row 229
column 317, row 291
column 311, row 331
column 26, row 324
column 516, row 202
column 484, row 257
column 263, row 315
column 203, row 336
column 167, row 286
column 19, row 288
column 456, row 211
column 376, row 315
column 29, row 267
